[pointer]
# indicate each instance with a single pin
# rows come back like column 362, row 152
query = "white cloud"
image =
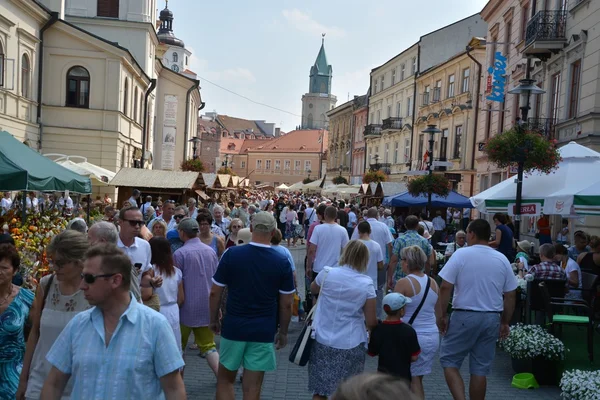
column 238, row 75
column 304, row 22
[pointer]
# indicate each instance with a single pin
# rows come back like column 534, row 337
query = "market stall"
column 384, row 189
column 406, row 199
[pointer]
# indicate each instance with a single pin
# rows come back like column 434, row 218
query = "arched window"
column 125, row 96
column 175, row 57
column 78, row 87
column 142, row 107
column 25, row 76
column 309, row 121
column 135, row 105
column 1, row 65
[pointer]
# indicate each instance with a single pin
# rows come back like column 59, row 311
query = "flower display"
column 580, row 385
column 537, row 152
column 31, row 239
column 532, row 341
column 339, row 180
column 375, row 177
column 425, row 184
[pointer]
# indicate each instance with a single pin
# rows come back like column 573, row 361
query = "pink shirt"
column 290, row 216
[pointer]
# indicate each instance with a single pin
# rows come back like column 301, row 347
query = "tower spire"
column 322, row 37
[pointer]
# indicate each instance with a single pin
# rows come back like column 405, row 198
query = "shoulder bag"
column 300, row 354
column 427, row 287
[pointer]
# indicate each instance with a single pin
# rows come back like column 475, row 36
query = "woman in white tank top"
column 414, row 285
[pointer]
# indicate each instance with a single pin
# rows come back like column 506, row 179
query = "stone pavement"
column 289, row 381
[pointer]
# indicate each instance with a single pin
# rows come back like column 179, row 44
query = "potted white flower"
column 534, row 350
column 580, row 385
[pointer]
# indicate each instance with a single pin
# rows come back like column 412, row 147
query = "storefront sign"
column 169, row 133
column 498, row 73
column 526, row 209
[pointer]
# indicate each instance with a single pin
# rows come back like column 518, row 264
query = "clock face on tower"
column 175, row 67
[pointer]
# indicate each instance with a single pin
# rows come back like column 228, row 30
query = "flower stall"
column 580, row 385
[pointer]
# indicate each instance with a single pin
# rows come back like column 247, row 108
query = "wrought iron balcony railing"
column 391, row 123
column 372, row 130
column 545, row 126
column 386, row 168
column 546, row 25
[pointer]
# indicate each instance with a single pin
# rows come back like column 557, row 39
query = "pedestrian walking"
column 410, row 238
column 327, row 242
column 484, row 301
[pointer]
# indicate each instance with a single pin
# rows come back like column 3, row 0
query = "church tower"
column 319, row 99
column 175, row 56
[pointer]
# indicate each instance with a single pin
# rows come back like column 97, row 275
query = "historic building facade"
column 360, row 117
column 319, row 100
column 341, row 120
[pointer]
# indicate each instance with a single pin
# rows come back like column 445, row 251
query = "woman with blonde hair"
column 421, row 289
column 57, row 300
column 234, row 227
column 346, row 301
column 159, row 228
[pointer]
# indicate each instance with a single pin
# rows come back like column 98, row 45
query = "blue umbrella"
column 408, row 200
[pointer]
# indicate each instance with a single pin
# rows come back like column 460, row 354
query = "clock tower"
column 176, row 57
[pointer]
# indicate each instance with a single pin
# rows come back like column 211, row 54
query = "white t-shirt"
column 330, row 239
column 6, row 204
column 138, row 252
column 352, row 219
column 480, row 275
column 428, row 226
column 375, row 256
column 132, row 202
column 573, row 266
column 339, row 318
column 310, row 215
column 379, row 233
column 68, row 202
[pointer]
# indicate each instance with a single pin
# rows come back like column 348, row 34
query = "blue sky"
column 264, row 49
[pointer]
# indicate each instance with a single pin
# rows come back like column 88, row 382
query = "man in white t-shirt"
column 484, row 300
column 327, row 242
column 6, row 203
column 133, row 200
column 375, row 254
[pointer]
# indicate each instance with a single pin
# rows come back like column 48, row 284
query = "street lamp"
column 341, row 169
column 195, row 143
column 526, row 88
column 431, row 130
column 309, row 172
column 226, row 162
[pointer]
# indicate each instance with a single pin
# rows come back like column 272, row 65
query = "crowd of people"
column 126, row 293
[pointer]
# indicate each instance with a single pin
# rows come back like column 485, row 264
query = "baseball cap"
column 394, row 301
column 189, row 226
column 263, row 222
column 244, row 236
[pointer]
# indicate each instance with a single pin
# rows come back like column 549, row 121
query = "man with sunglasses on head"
column 119, row 349
column 136, row 248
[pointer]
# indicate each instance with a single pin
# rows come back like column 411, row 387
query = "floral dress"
column 12, row 342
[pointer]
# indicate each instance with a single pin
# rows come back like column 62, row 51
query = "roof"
column 154, row 178
column 321, row 65
column 209, row 179
column 392, row 188
column 232, row 125
column 298, row 141
column 207, row 125
column 394, row 57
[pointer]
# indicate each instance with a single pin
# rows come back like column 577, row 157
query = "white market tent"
column 341, row 191
column 99, row 175
column 283, row 186
column 574, row 188
column 296, row 186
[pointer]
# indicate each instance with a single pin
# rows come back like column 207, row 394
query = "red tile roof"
column 304, row 141
column 233, row 125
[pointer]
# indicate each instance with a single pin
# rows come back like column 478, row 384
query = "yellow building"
column 341, row 122
column 448, row 99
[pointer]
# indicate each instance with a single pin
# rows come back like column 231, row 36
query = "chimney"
column 277, row 132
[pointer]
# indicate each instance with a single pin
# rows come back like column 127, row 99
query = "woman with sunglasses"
column 234, row 227
column 57, row 300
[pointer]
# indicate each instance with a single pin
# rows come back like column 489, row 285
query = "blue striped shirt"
column 141, row 351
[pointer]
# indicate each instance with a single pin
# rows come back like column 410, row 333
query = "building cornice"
column 115, row 23
column 490, row 9
column 395, row 58
column 399, row 86
column 33, row 9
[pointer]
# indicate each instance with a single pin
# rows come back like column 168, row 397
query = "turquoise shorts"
column 253, row 356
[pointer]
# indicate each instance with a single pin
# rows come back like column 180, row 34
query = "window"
column 1, row 65
column 258, row 164
column 451, row 86
column 524, row 19
column 25, row 76
column 389, row 111
column 78, row 87
column 310, row 121
column 378, row 117
column 307, row 165
column 371, row 118
column 399, row 109
column 402, row 71
column 297, row 165
column 141, row 108
column 437, row 91
column 426, row 95
column 414, row 66
column 386, row 154
column 574, row 96
column 420, row 154
column 395, row 152
column 243, row 164
column 267, row 164
column 406, row 150
column 186, row 60
column 286, row 165
column 444, row 144
column 277, row 165
column 125, row 96
column 394, row 76
column 175, row 57
column 508, row 40
column 135, row 104
column 555, row 96
column 108, row 8
column 457, row 140
column 465, row 80
column 375, row 86
column 409, row 107
column 382, row 83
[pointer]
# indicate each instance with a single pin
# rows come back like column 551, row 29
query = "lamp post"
column 341, row 169
column 195, row 142
column 375, row 167
column 431, row 130
column 526, row 88
column 309, row 172
column 226, row 162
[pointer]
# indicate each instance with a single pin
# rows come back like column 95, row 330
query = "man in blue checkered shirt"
column 410, row 238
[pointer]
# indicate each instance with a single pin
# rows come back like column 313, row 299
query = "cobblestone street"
column 290, row 381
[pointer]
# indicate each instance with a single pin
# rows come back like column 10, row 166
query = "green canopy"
column 22, row 168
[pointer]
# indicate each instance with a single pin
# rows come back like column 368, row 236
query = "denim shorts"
column 472, row 333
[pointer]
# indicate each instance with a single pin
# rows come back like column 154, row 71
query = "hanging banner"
column 169, row 132
column 498, row 74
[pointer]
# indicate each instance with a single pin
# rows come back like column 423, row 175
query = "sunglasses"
column 90, row 279
column 134, row 222
column 236, row 226
column 178, row 216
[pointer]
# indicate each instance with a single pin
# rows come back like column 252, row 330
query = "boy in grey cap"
column 394, row 341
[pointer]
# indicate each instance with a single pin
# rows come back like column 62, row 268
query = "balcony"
column 372, row 130
column 392, row 123
column 546, row 34
column 545, row 126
